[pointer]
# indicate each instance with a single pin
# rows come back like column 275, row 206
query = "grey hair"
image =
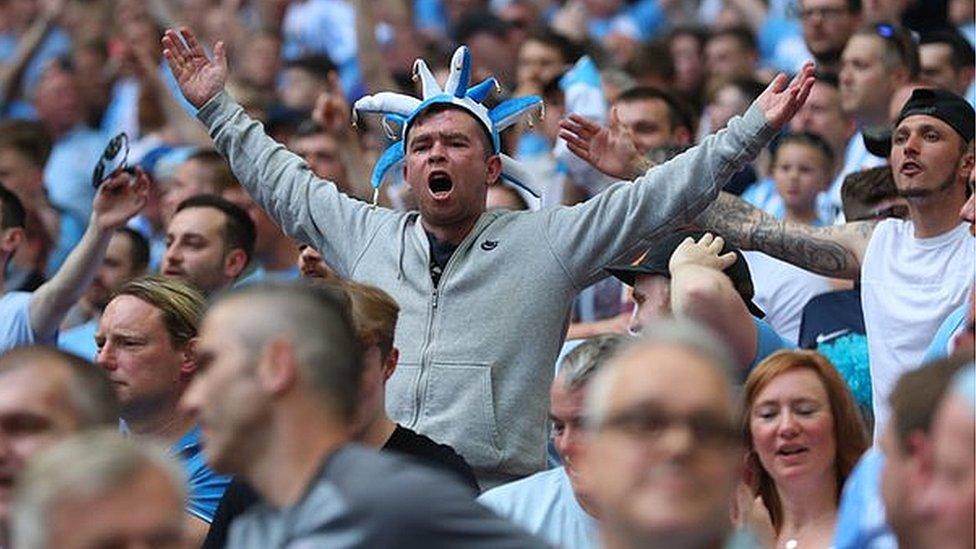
column 82, row 466
column 316, row 321
column 681, row 333
column 580, row 364
column 90, row 394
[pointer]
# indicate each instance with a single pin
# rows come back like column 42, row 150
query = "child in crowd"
column 802, row 169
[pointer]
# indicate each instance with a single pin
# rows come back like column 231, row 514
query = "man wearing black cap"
column 913, row 272
column 695, row 274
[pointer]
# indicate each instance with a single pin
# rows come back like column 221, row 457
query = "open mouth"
column 910, row 168
column 791, row 450
column 440, row 184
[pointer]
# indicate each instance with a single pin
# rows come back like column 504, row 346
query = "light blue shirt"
column 68, row 172
column 205, row 487
column 861, row 522
column 544, row 504
column 939, row 348
column 767, row 341
column 80, row 340
column 15, row 324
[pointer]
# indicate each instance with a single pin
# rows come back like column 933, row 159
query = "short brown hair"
column 917, row 394
column 863, row 190
column 29, row 139
column 849, row 430
column 181, row 305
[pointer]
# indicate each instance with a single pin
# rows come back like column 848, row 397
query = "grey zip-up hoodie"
column 477, row 352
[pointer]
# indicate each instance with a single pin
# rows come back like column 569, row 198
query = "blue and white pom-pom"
column 401, row 109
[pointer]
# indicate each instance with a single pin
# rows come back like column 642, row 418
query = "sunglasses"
column 114, row 160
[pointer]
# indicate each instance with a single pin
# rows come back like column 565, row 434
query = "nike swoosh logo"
column 821, row 338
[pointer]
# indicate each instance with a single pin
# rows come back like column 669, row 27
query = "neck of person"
column 282, row 256
column 806, row 216
column 809, row 506
column 453, row 232
column 166, row 423
column 938, row 213
column 378, row 432
column 303, row 435
column 705, row 538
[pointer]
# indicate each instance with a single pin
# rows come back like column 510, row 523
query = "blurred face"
column 268, row 237
column 827, row 25
column 196, row 250
column 260, row 65
column 492, row 56
column 937, row 70
column 648, row 121
column 689, row 67
column 728, row 102
column 34, row 413
column 905, row 475
column 190, row 179
column 144, row 512
column 116, row 269
column 300, row 89
column 652, row 300
column 663, row 464
column 57, row 101
column 951, row 496
column 866, row 84
column 822, row 114
column 792, row 427
column 566, row 408
column 446, row 168
column 19, row 175
column 800, row 173
column 321, row 152
column 136, row 351
column 538, row 64
column 927, row 157
column 725, row 58
column 226, row 397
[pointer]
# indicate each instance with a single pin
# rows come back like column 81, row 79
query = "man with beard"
column 126, row 258
column 827, row 25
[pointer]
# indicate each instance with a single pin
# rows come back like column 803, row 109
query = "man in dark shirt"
column 374, row 317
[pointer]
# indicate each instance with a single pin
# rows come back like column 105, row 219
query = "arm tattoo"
column 811, row 248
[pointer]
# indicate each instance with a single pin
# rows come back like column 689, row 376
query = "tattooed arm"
column 835, row 251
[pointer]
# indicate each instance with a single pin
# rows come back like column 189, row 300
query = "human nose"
column 105, row 358
column 635, row 325
column 788, row 427
column 677, row 439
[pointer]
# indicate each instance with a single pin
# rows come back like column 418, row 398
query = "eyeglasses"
column 650, row 425
column 114, row 159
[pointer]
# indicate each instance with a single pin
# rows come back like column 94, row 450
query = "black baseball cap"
column 942, row 104
column 655, row 262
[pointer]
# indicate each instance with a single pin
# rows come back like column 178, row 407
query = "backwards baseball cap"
column 942, row 104
column 656, row 260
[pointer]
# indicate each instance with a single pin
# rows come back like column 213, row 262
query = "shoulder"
column 411, row 443
column 525, row 493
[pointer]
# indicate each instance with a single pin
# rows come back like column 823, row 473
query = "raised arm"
column 117, row 200
column 835, row 251
column 702, row 292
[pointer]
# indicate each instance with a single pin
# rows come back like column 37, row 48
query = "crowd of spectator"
column 489, row 273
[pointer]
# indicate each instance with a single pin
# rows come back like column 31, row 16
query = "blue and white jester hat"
column 402, row 109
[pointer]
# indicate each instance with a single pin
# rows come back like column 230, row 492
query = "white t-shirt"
column 908, row 287
column 544, row 504
column 782, row 291
column 856, row 158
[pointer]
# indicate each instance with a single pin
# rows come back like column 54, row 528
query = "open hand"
column 119, row 198
column 199, row 77
column 610, row 149
column 704, row 253
column 780, row 102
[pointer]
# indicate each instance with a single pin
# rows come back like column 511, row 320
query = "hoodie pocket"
column 459, row 407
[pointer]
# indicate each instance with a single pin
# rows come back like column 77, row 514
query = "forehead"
column 823, row 3
column 448, row 121
column 669, row 377
column 798, row 151
column 129, row 313
column 864, row 45
column 791, row 384
column 824, row 93
column 933, row 51
column 119, row 245
column 539, row 48
column 40, row 388
column 915, row 121
column 200, row 220
column 650, row 107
